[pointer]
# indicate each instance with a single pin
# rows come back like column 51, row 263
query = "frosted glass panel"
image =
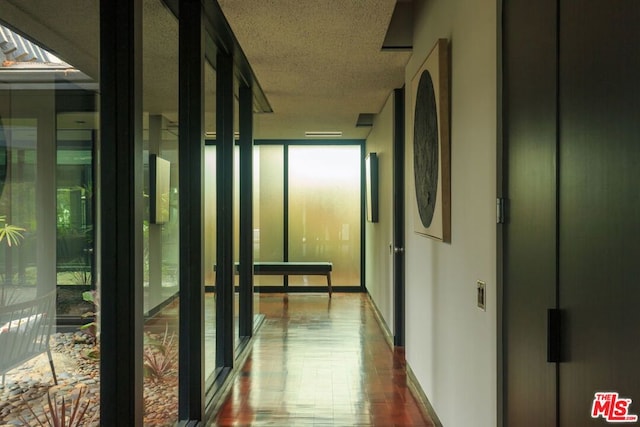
column 268, row 205
column 324, row 211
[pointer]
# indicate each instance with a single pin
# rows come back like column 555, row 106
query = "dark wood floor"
column 321, row 362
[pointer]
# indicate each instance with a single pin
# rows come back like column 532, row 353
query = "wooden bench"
column 292, row 268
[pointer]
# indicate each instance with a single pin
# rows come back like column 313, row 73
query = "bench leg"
column 53, row 370
column 329, row 283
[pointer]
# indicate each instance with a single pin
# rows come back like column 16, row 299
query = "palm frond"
column 12, row 234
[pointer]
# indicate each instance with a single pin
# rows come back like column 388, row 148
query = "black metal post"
column 121, row 212
column 285, row 211
column 224, row 203
column 246, row 212
column 191, row 155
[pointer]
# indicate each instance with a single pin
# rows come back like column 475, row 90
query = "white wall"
column 450, row 343
column 378, row 257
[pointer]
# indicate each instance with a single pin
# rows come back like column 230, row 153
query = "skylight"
column 16, row 52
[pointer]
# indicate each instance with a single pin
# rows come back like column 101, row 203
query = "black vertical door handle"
column 553, row 335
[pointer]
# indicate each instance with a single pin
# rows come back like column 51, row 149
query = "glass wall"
column 18, row 260
column 48, row 228
column 210, row 218
column 236, row 218
column 161, row 214
column 75, row 205
column 51, row 248
column 323, row 184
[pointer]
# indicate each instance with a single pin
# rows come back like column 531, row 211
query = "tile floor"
column 321, row 362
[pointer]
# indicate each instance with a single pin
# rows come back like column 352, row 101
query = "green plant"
column 61, row 413
column 11, row 234
column 8, row 296
column 81, row 277
column 160, row 356
column 92, row 327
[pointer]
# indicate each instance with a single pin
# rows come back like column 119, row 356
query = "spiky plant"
column 61, row 413
column 160, row 356
column 11, row 234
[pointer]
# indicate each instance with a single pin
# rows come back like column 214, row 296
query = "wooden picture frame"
column 431, row 144
column 371, row 185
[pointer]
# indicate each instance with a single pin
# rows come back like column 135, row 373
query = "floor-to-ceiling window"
column 161, row 213
column 210, row 220
column 54, row 207
column 324, row 203
column 306, row 208
column 216, row 364
column 49, row 78
column 75, row 206
column 210, row 179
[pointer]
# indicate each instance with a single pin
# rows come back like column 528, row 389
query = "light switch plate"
column 481, row 294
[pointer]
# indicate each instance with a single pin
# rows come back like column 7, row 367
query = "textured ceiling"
column 319, row 62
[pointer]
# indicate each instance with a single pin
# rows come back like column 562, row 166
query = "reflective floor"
column 321, row 362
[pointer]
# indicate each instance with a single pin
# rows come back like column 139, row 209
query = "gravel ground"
column 27, row 385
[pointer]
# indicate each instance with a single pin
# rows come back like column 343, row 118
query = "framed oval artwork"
column 431, row 146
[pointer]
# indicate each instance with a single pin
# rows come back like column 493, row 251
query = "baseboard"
column 388, row 336
column 419, row 394
column 412, row 381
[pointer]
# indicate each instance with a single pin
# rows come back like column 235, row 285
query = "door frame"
column 398, row 218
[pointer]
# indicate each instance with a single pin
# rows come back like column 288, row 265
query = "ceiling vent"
column 400, row 31
column 365, row 120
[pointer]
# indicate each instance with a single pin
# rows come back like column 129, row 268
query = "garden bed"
column 27, row 385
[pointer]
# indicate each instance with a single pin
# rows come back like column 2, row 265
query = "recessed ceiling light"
column 213, row 134
column 330, row 134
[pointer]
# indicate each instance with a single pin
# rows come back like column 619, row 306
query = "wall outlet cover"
column 481, row 294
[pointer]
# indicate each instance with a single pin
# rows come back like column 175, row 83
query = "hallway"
column 321, row 362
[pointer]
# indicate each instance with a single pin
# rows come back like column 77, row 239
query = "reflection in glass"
column 210, row 260
column 210, row 221
column 48, row 134
column 268, row 228
column 161, row 240
column 75, row 204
